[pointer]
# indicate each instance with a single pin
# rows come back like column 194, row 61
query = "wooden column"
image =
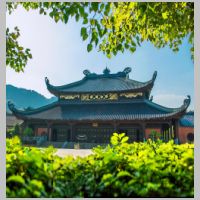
column 177, row 131
column 170, row 130
column 71, row 131
column 115, row 126
column 49, row 131
column 173, row 135
column 24, row 125
column 143, row 125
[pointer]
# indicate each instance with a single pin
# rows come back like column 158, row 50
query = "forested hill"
column 24, row 98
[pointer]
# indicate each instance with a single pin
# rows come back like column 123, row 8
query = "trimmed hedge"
column 150, row 169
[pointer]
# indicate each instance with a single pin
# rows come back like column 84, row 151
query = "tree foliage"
column 163, row 24
column 16, row 56
column 116, row 27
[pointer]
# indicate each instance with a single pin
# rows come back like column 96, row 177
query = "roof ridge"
column 125, row 84
column 65, row 85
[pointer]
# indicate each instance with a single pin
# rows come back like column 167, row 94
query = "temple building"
column 93, row 108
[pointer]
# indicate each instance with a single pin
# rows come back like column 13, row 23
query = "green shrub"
column 28, row 132
column 13, row 131
column 17, row 129
column 150, row 169
column 10, row 132
column 154, row 135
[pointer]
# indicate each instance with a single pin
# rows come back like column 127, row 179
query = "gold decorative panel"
column 76, row 96
column 131, row 95
column 107, row 96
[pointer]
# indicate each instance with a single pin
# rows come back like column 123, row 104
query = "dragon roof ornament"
column 106, row 73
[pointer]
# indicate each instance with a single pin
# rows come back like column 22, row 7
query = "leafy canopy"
column 16, row 56
column 114, row 27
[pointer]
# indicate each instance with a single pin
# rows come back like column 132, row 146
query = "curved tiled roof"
column 102, row 83
column 137, row 110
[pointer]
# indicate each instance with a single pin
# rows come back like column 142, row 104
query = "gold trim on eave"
column 130, row 95
column 77, row 96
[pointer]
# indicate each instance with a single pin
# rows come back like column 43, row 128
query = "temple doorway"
column 96, row 133
column 61, row 134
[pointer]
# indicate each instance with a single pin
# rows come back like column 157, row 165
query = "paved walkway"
column 73, row 152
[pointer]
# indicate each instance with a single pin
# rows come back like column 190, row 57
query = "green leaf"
column 119, row 47
column 121, row 135
column 116, row 134
column 124, row 139
column 81, row 11
column 126, row 46
column 51, row 14
column 165, row 15
column 14, row 36
column 85, row 37
column 107, row 9
column 20, row 48
column 108, row 55
column 132, row 49
column 16, row 178
column 123, row 174
column 101, row 6
column 85, row 21
column 95, row 6
column 92, row 22
column 77, row 17
column 96, row 41
column 65, row 18
column 41, row 10
column 83, row 31
column 56, row 18
column 89, row 47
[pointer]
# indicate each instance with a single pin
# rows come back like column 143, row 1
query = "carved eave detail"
column 70, row 97
column 186, row 103
column 131, row 94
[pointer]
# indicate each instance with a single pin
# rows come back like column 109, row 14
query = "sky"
column 60, row 54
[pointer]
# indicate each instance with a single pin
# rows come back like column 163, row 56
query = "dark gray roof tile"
column 101, row 83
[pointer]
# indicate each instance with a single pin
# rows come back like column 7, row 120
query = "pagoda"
column 100, row 104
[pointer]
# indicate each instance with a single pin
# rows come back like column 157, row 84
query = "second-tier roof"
column 141, row 109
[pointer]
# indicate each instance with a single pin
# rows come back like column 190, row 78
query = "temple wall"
column 183, row 132
column 41, row 131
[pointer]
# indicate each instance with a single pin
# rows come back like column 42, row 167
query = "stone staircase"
column 54, row 144
column 70, row 145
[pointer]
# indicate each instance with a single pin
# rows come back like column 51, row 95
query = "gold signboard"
column 108, row 96
column 95, row 124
